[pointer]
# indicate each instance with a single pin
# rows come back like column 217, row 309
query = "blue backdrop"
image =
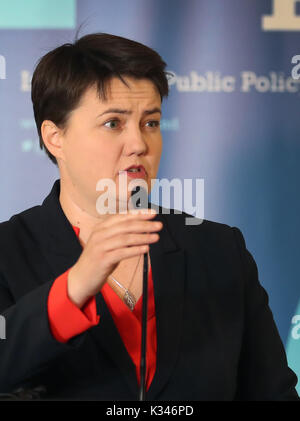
column 232, row 117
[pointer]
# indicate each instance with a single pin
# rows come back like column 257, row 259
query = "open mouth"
column 136, row 171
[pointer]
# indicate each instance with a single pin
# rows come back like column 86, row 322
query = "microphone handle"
column 142, row 391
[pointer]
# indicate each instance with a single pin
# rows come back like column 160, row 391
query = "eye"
column 153, row 124
column 113, row 124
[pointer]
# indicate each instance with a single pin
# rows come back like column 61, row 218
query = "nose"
column 135, row 142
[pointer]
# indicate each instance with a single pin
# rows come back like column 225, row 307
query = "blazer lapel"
column 168, row 270
column 108, row 338
column 62, row 249
column 168, row 263
column 53, row 231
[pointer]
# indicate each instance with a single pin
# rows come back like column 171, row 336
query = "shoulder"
column 34, row 220
column 219, row 246
column 26, row 217
column 191, row 230
column 19, row 229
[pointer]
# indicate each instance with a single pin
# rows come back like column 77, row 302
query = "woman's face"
column 105, row 137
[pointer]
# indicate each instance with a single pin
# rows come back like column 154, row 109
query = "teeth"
column 134, row 170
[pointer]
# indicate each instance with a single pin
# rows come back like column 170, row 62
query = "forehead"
column 116, row 92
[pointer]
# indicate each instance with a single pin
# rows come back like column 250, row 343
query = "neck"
column 77, row 212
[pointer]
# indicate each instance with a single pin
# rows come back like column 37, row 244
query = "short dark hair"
column 63, row 75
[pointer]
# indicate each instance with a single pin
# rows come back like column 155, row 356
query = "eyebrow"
column 121, row 111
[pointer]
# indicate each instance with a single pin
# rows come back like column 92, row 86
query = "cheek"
column 155, row 153
column 93, row 158
column 78, row 153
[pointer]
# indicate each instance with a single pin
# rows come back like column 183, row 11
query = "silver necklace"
column 128, row 298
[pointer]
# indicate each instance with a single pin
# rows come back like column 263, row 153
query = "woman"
column 71, row 275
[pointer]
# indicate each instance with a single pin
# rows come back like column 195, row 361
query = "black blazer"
column 216, row 337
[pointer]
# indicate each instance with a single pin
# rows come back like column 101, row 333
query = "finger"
column 130, row 240
column 130, row 227
column 131, row 215
column 116, row 256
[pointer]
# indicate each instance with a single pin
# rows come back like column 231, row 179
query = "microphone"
column 143, row 200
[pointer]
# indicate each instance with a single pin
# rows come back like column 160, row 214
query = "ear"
column 52, row 137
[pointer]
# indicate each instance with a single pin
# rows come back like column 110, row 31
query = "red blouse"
column 67, row 320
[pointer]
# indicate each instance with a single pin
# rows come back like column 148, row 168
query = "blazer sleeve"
column 263, row 369
column 29, row 346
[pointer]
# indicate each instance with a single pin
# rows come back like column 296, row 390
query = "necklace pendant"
column 129, row 300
